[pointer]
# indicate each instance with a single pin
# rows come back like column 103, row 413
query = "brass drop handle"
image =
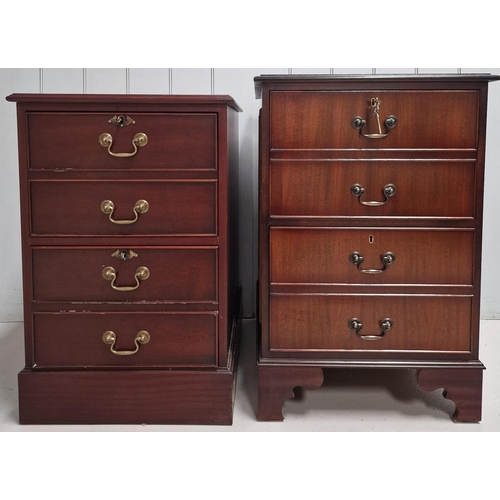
column 385, row 325
column 109, row 337
column 139, row 140
column 390, row 122
column 141, row 274
column 388, row 191
column 140, row 207
column 387, row 259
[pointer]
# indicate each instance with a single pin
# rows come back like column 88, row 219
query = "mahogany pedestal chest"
column 370, row 220
column 129, row 234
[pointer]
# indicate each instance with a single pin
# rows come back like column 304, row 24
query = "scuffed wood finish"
column 310, row 222
column 186, row 372
column 176, row 207
column 276, row 385
column 177, row 274
column 464, row 387
column 74, row 340
column 70, row 141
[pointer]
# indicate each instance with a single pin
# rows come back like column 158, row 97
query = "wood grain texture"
column 74, row 340
column 126, row 397
column 106, row 101
column 426, row 119
column 185, row 373
column 229, row 265
column 321, row 255
column 75, row 274
column 462, row 386
column 67, row 141
column 367, row 80
column 319, row 322
column 133, row 396
column 310, row 223
column 322, row 188
column 176, row 207
column 276, row 385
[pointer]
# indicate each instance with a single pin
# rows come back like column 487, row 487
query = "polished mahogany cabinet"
column 129, row 239
column 370, row 220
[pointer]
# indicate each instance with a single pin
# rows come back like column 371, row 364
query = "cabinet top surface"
column 126, row 99
column 385, row 79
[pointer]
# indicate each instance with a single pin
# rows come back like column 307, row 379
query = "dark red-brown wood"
column 464, row 387
column 151, row 102
column 369, row 81
column 426, row 119
column 319, row 323
column 276, row 385
column 69, row 141
column 184, row 208
column 321, row 255
column 187, row 174
column 304, row 188
column 310, row 222
column 176, row 274
column 75, row 340
column 126, row 397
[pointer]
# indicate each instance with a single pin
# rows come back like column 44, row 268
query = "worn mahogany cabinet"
column 371, row 195
column 129, row 256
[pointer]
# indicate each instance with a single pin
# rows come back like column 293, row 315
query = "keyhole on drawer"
column 370, row 238
column 124, row 254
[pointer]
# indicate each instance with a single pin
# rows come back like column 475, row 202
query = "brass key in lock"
column 375, row 104
column 390, row 122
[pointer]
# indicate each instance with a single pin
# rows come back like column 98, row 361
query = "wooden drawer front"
column 420, row 256
column 322, row 120
column 321, row 322
column 74, row 208
column 76, row 339
column 71, row 141
column 75, row 274
column 323, row 188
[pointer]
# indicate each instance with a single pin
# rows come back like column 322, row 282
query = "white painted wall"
column 239, row 84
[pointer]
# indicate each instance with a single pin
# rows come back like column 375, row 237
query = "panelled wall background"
column 237, row 82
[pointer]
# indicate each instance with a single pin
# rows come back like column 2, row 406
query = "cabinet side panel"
column 233, row 237
column 264, row 182
column 25, row 231
column 479, row 195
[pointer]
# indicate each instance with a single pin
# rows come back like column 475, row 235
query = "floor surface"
column 348, row 401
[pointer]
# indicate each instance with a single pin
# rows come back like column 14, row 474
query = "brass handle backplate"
column 390, row 122
column 124, row 254
column 141, row 274
column 109, row 337
column 387, row 259
column 385, row 325
column 121, row 121
column 139, row 140
column 358, row 190
column 140, row 207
